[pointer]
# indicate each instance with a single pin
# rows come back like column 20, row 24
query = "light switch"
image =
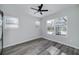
column 37, row 23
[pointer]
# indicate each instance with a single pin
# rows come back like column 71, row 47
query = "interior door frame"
column 2, row 14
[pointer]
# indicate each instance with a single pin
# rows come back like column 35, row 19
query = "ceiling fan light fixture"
column 40, row 9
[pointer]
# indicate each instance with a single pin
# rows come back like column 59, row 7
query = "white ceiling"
column 52, row 8
column 26, row 8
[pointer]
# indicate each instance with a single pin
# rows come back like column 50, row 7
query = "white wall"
column 26, row 31
column 72, row 38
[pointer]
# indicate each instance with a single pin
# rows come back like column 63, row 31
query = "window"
column 50, row 26
column 61, row 26
column 57, row 26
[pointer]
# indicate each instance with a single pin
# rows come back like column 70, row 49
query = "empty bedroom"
column 39, row 29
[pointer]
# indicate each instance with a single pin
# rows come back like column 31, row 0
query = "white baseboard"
column 62, row 43
column 33, row 38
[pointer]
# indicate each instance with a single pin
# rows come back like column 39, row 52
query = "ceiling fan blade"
column 44, row 10
column 34, row 9
column 41, row 13
column 40, row 7
column 35, row 12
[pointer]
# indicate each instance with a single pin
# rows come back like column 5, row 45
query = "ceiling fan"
column 39, row 9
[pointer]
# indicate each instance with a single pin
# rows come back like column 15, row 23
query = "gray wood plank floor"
column 39, row 47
